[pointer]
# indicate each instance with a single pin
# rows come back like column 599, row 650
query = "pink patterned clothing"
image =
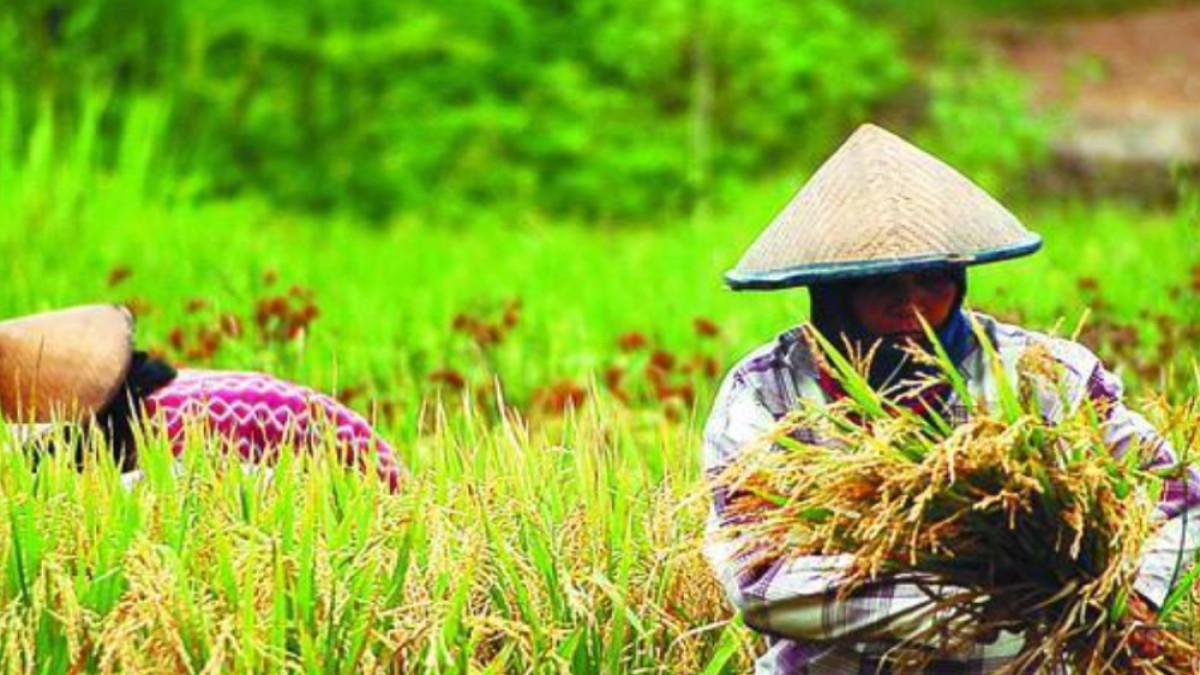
column 257, row 413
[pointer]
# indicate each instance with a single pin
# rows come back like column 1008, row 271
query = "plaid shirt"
column 795, row 602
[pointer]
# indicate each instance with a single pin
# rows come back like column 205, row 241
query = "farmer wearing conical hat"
column 77, row 368
column 882, row 233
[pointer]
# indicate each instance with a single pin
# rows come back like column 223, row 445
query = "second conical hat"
column 64, row 365
column 880, row 205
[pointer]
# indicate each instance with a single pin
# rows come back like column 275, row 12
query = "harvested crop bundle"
column 1018, row 522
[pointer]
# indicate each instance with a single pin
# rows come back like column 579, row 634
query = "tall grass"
column 565, row 550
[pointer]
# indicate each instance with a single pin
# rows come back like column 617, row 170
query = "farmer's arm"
column 798, row 597
column 1170, row 550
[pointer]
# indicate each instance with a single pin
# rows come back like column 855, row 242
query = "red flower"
column 631, row 342
column 177, row 338
column 705, row 327
column 663, row 360
column 449, row 377
column 512, row 314
column 309, row 313
column 559, row 397
column 613, row 376
column 349, row 393
column 118, row 274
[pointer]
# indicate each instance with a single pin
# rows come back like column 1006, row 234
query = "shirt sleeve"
column 1173, row 547
column 800, row 597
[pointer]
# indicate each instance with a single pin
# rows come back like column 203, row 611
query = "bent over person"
column 77, row 367
column 882, row 234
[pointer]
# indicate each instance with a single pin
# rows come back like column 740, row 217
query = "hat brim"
column 804, row 275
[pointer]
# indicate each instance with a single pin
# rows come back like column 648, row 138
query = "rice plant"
column 1024, row 509
column 566, row 541
column 508, row 551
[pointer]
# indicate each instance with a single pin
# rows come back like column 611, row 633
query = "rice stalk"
column 1033, row 517
column 512, row 550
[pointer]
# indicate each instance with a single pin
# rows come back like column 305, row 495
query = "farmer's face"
column 890, row 304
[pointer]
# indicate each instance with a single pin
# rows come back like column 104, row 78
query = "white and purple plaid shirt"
column 795, row 602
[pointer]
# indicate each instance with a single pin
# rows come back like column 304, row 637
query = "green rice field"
column 543, row 381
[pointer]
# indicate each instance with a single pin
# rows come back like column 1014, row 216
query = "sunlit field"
column 543, row 381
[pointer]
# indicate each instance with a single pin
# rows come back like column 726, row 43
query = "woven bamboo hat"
column 880, row 205
column 64, row 365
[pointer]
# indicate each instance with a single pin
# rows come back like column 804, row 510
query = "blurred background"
column 393, row 198
column 599, row 110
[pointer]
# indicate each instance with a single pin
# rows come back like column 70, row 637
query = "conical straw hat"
column 880, row 205
column 64, row 365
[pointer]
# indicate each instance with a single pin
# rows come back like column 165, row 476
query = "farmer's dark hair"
column 118, row 420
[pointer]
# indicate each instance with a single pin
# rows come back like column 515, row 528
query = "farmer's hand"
column 1146, row 638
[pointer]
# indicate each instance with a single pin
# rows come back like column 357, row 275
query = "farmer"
column 880, row 235
column 78, row 366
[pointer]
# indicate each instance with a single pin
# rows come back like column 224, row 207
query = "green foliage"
column 980, row 120
column 603, row 107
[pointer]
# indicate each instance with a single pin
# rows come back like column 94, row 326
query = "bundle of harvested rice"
column 1028, row 515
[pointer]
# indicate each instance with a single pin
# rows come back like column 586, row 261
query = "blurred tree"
column 592, row 108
